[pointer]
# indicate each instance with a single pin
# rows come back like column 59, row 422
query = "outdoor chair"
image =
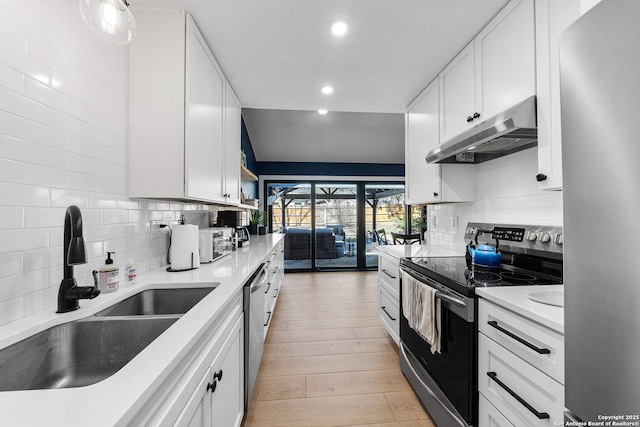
column 381, row 236
column 405, row 239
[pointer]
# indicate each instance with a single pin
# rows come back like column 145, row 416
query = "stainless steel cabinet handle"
column 387, row 313
column 522, row 341
column 540, row 415
column 388, row 274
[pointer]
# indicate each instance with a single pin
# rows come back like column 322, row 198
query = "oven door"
column 446, row 382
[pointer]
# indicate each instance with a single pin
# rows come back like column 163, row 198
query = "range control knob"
column 532, row 236
column 545, row 238
column 558, row 238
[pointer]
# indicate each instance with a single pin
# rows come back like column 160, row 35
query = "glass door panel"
column 336, row 225
column 290, row 208
column 384, row 214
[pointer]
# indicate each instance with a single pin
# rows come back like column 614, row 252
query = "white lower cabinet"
column 520, row 374
column 219, row 396
column 389, row 291
column 274, row 281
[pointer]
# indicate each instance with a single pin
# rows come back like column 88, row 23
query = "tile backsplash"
column 506, row 192
column 63, row 141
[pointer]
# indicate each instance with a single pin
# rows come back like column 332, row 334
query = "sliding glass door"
column 332, row 225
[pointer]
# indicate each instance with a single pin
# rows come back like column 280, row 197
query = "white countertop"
column 115, row 400
column 403, row 251
column 515, row 298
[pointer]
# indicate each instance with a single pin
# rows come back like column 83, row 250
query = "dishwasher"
column 254, row 328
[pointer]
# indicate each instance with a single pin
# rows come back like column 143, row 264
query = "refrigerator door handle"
column 538, row 350
column 540, row 415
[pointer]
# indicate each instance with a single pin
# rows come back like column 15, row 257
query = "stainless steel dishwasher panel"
column 254, row 328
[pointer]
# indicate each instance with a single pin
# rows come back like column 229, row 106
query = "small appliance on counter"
column 233, row 218
column 215, row 242
column 242, row 237
column 184, row 247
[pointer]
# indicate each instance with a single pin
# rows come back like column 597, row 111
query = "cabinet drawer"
column 389, row 314
column 489, row 416
column 517, row 389
column 389, row 274
column 538, row 345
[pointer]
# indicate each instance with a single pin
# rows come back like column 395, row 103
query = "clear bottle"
column 130, row 273
column 109, row 275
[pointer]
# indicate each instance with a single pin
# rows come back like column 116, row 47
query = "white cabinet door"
column 495, row 71
column 203, row 120
column 197, row 412
column 457, row 94
column 552, row 17
column 227, row 397
column 231, row 147
column 421, row 136
column 505, row 64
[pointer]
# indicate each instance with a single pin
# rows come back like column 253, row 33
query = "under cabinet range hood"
column 512, row 130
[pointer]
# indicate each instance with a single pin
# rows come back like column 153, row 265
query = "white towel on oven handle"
column 421, row 308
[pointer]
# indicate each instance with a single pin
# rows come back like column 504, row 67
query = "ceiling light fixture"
column 339, row 28
column 111, row 20
column 327, row 90
column 322, row 112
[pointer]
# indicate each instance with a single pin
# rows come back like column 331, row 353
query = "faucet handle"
column 95, row 290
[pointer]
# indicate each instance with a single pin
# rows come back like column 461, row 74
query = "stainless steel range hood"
column 512, row 130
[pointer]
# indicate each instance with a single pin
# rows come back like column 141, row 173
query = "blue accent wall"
column 250, row 189
column 331, row 169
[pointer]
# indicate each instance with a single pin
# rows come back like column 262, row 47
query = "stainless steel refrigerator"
column 600, row 108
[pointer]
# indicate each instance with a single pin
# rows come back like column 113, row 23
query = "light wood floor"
column 329, row 362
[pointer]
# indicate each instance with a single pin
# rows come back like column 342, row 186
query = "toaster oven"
column 215, row 242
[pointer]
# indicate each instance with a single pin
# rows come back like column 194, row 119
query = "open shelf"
column 247, row 175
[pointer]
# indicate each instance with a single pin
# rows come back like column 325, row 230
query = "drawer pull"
column 517, row 338
column 540, row 415
column 268, row 318
column 388, row 274
column 387, row 313
column 268, row 287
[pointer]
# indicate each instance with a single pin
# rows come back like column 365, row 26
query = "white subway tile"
column 115, row 216
column 23, row 239
column 45, row 299
column 23, row 195
column 11, row 310
column 43, row 217
column 64, row 198
column 37, row 280
column 42, row 258
column 12, row 217
column 10, row 264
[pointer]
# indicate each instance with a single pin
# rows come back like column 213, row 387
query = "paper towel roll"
column 184, row 252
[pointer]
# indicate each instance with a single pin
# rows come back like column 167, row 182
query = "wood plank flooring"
column 329, row 362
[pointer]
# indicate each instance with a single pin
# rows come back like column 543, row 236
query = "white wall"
column 506, row 193
column 63, row 141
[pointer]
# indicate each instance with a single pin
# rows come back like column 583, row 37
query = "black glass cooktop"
column 456, row 274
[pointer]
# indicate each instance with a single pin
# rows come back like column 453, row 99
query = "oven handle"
column 440, row 294
column 540, row 415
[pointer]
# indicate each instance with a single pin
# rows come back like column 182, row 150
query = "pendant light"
column 111, row 20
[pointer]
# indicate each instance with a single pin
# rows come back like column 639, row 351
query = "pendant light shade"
column 111, row 20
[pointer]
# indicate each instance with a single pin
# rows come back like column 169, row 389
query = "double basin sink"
column 89, row 350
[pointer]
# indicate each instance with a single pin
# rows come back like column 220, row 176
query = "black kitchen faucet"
column 74, row 254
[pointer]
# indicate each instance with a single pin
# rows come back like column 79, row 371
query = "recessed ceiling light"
column 322, row 112
column 339, row 28
column 327, row 90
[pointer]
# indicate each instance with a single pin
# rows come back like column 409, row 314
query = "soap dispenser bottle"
column 109, row 275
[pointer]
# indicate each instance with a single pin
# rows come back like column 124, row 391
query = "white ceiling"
column 278, row 54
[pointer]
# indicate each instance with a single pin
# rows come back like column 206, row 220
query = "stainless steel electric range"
column 446, row 382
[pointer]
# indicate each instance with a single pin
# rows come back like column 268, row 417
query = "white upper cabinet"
column 231, row 147
column 181, row 111
column 552, row 17
column 457, row 94
column 431, row 183
column 421, row 136
column 203, row 137
column 495, row 71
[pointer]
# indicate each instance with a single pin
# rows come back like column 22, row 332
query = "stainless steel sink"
column 77, row 353
column 158, row 301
